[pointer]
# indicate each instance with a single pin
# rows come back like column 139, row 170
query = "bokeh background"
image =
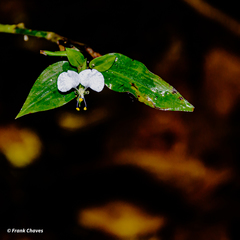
column 122, row 170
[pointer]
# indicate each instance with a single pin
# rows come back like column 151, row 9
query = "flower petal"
column 67, row 80
column 84, row 77
column 74, row 77
column 97, row 81
column 93, row 79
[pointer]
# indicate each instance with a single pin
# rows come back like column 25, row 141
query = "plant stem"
column 50, row 36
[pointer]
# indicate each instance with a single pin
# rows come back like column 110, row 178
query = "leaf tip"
column 190, row 107
column 19, row 115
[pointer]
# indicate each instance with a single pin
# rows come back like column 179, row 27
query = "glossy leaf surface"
column 102, row 63
column 44, row 94
column 127, row 75
column 75, row 57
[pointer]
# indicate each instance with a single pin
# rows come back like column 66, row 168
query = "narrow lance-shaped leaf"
column 127, row 75
column 55, row 54
column 44, row 94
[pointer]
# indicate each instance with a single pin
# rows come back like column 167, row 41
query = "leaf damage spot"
column 174, row 91
column 134, row 85
column 121, row 86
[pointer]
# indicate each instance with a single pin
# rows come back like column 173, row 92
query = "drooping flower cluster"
column 89, row 78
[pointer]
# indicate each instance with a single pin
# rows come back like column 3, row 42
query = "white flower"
column 92, row 79
column 89, row 78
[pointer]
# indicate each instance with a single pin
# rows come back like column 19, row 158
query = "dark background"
column 182, row 167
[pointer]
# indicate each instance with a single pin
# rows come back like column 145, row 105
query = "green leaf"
column 127, row 75
column 75, row 57
column 44, row 94
column 102, row 63
column 84, row 66
column 55, row 54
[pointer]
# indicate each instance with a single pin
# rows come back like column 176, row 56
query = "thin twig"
column 50, row 36
column 210, row 12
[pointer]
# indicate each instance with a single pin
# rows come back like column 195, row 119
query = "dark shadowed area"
column 123, row 170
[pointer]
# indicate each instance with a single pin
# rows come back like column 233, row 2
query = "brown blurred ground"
column 122, row 170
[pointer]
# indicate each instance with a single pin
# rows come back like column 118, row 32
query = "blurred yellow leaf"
column 188, row 174
column 73, row 121
column 120, row 219
column 20, row 146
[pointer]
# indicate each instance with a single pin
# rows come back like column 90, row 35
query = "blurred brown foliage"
column 122, row 170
